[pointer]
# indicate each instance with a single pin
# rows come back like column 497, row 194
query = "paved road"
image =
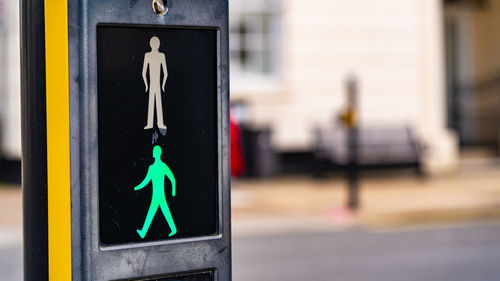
column 467, row 253
column 10, row 263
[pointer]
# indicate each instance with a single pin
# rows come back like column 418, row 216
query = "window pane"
column 256, row 42
column 254, row 36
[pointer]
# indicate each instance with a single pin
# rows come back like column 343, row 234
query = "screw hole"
column 160, row 7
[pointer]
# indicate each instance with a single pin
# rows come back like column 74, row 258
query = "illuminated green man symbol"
column 156, row 173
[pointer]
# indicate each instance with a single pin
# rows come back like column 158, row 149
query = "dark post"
column 350, row 118
column 34, row 141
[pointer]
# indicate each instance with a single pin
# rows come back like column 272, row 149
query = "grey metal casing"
column 90, row 260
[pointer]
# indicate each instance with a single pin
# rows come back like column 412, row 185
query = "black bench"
column 378, row 147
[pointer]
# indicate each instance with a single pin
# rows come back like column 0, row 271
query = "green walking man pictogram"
column 156, row 174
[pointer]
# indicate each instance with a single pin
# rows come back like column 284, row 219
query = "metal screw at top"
column 160, row 7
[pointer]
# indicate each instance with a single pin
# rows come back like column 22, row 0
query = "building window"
column 254, row 37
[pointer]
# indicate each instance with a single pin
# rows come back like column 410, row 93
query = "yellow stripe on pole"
column 58, row 150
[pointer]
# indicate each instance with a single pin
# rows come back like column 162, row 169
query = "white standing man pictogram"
column 155, row 61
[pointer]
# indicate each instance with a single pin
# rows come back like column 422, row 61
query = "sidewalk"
column 10, row 216
column 302, row 204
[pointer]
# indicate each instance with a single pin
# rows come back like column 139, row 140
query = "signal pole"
column 350, row 120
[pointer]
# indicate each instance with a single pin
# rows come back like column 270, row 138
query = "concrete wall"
column 3, row 55
column 10, row 137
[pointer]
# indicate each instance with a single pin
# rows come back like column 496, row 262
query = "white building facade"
column 393, row 47
column 10, row 104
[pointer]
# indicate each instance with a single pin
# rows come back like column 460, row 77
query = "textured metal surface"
column 191, row 276
column 91, row 261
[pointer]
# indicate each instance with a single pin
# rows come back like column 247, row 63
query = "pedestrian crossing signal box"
column 176, row 121
column 136, row 152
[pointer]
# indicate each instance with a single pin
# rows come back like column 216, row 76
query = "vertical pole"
column 34, row 141
column 352, row 140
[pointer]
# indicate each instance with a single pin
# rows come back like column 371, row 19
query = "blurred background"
column 365, row 140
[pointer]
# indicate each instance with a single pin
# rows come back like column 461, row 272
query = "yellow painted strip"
column 58, row 150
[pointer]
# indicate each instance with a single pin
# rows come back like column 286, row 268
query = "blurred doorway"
column 473, row 71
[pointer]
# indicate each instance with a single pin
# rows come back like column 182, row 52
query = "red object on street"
column 237, row 157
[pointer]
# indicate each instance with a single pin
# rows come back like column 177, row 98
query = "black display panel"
column 139, row 155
